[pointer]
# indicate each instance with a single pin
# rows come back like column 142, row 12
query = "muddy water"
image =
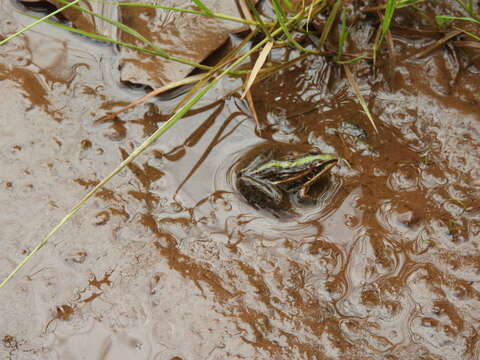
column 170, row 262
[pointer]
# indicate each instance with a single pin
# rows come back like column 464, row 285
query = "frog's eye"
column 292, row 155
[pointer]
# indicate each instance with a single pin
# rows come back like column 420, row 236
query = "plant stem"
column 187, row 11
column 28, row 27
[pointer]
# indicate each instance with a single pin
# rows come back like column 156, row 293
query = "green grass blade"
column 125, row 28
column 385, row 28
column 473, row 36
column 39, row 20
column 202, row 6
column 343, row 34
column 289, row 4
column 468, row 7
column 443, row 20
column 329, row 23
column 180, row 10
column 258, row 17
column 387, row 19
column 155, row 51
column 127, row 45
column 281, row 17
column 405, row 3
column 351, row 61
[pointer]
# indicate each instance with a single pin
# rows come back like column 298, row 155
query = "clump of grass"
column 181, row 10
column 281, row 18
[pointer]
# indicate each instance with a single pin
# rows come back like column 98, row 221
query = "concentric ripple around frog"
column 272, row 179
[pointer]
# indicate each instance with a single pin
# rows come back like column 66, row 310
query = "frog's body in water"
column 267, row 182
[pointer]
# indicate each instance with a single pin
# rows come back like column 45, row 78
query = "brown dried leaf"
column 258, row 65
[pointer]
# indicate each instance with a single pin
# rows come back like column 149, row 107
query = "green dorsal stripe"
column 285, row 164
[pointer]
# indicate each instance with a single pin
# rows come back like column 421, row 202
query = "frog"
column 268, row 181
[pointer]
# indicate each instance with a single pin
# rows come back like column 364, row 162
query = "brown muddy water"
column 170, row 261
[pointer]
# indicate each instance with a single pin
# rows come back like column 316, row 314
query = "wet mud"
column 170, row 262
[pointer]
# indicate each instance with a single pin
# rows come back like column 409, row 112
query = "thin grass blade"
column 247, row 13
column 38, row 21
column 125, row 28
column 361, row 100
column 258, row 17
column 124, row 44
column 352, row 60
column 281, row 17
column 392, row 56
column 405, row 3
column 176, row 9
column 251, row 105
column 309, row 17
column 387, row 20
column 202, row 6
column 329, row 23
column 289, row 4
column 447, row 20
column 468, row 44
column 473, row 36
column 437, row 43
